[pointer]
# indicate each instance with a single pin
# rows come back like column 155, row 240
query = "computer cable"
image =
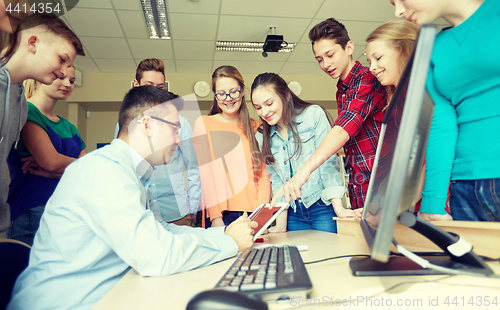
column 336, row 257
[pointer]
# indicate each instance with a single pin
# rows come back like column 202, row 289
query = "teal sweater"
column 464, row 82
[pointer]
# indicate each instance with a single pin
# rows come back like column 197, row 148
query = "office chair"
column 14, row 256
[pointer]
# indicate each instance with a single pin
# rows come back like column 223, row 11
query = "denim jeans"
column 24, row 227
column 227, row 217
column 475, row 200
column 318, row 216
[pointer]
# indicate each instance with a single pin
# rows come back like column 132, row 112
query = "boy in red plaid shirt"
column 361, row 101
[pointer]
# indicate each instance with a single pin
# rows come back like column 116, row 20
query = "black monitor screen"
column 400, row 152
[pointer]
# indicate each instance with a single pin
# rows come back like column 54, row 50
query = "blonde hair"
column 243, row 114
column 30, row 86
column 400, row 35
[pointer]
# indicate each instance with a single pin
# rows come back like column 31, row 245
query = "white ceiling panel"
column 98, row 4
column 133, row 24
column 113, row 48
column 292, row 9
column 300, row 68
column 117, row 65
column 94, row 22
column 358, row 30
column 193, row 26
column 194, row 66
column 303, row 53
column 186, row 6
column 147, row 48
column 369, row 10
column 127, row 5
column 115, row 37
column 195, row 50
column 250, row 28
column 85, row 64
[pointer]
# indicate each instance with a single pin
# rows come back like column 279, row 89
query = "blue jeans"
column 475, row 200
column 24, row 227
column 318, row 216
column 227, row 217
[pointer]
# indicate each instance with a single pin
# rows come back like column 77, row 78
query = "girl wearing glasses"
column 49, row 143
column 233, row 175
column 291, row 131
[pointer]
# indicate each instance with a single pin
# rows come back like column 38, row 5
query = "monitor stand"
column 402, row 266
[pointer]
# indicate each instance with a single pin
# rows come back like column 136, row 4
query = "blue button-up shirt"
column 167, row 185
column 97, row 225
column 326, row 181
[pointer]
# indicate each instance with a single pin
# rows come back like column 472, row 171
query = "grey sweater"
column 13, row 115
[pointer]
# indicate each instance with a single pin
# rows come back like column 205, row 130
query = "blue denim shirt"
column 326, row 181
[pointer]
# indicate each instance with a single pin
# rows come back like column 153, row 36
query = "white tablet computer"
column 265, row 216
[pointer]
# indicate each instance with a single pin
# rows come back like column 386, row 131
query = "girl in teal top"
column 49, row 143
column 464, row 82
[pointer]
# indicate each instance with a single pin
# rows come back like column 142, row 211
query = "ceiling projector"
column 273, row 44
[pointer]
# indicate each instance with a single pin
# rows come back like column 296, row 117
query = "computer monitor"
column 396, row 174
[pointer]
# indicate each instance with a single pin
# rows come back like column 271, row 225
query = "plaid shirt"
column 361, row 100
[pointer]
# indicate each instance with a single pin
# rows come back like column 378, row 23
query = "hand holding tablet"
column 264, row 216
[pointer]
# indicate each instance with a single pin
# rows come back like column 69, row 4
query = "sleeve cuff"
column 333, row 192
column 435, row 205
column 228, row 247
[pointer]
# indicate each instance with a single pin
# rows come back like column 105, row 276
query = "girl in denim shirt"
column 291, row 130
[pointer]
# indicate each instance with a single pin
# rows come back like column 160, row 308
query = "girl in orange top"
column 233, row 176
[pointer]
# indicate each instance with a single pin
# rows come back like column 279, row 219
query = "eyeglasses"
column 176, row 126
column 235, row 94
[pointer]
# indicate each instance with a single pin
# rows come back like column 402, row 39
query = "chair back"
column 14, row 257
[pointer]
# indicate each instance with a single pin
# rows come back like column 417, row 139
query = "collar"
column 298, row 119
column 141, row 166
column 345, row 84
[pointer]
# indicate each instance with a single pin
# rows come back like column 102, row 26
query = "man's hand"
column 435, row 217
column 241, row 231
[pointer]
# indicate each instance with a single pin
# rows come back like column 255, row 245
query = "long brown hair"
column 243, row 114
column 292, row 106
column 400, row 35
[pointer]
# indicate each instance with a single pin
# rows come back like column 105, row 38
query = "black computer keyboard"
column 275, row 272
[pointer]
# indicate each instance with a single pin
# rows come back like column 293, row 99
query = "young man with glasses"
column 98, row 224
column 167, row 185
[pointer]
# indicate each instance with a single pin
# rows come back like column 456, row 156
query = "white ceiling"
column 115, row 38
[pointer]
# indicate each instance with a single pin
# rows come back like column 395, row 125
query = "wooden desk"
column 331, row 280
column 484, row 236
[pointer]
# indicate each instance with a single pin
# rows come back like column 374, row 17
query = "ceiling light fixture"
column 273, row 43
column 155, row 15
